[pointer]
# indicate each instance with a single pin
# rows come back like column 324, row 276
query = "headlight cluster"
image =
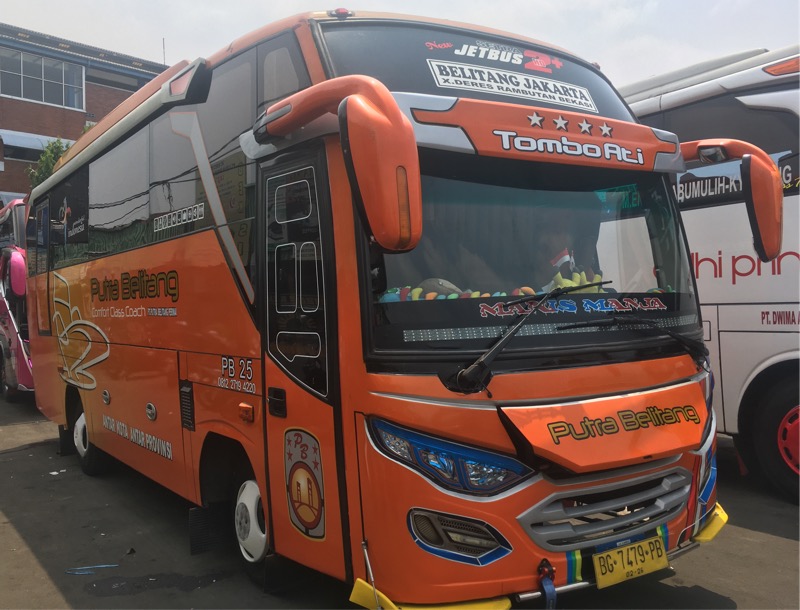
column 453, row 466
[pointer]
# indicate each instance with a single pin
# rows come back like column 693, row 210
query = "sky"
column 630, row 39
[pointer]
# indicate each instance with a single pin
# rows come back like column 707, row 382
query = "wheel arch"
column 757, row 386
column 223, row 462
column 72, row 405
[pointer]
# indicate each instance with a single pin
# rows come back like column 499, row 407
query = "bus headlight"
column 450, row 465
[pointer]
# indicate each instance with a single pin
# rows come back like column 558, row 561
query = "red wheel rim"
column 789, row 439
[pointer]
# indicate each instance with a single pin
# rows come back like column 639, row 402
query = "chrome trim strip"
column 565, row 402
column 436, row 402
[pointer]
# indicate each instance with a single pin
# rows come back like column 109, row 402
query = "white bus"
column 750, row 309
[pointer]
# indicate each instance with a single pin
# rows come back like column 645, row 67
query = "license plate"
column 623, row 563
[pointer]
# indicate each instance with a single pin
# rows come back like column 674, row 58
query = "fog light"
column 472, row 540
column 457, row 538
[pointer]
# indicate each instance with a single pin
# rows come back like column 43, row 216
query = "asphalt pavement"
column 122, row 541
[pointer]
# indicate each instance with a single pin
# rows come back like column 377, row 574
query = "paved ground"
column 54, row 519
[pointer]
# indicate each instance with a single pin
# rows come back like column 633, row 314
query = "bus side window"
column 174, row 206
column 228, row 112
column 41, row 242
column 281, row 70
column 119, row 201
column 69, row 210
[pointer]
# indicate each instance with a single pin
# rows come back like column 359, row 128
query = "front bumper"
column 368, row 596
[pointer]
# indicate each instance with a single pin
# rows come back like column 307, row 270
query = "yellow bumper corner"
column 714, row 524
column 365, row 596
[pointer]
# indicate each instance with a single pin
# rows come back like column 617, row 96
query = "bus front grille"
column 603, row 513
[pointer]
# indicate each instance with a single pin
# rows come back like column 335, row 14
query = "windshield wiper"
column 476, row 376
column 695, row 348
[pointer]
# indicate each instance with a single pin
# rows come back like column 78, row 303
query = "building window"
column 41, row 79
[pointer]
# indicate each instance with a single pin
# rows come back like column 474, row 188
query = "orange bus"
column 407, row 302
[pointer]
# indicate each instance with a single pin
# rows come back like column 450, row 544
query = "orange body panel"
column 110, row 333
column 508, row 131
column 601, row 433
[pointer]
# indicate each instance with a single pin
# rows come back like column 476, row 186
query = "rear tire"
column 776, row 428
column 93, row 461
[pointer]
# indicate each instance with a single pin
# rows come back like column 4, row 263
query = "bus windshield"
column 495, row 231
column 437, row 60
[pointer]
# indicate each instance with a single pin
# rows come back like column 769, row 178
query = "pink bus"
column 15, row 362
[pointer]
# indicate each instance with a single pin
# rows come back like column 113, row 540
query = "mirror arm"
column 299, row 109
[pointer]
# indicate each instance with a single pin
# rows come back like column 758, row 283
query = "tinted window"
column 175, row 207
column 119, row 197
column 296, row 305
column 69, row 211
column 451, row 62
column 229, row 111
column 281, row 70
column 38, row 262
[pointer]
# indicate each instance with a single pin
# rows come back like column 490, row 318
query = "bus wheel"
column 776, row 434
column 93, row 461
column 249, row 522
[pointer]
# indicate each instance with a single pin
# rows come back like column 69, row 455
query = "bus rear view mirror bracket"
column 379, row 147
column 762, row 188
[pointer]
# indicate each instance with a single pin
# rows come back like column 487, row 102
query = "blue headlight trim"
column 449, row 464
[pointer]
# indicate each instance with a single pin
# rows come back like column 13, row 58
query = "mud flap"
column 66, row 444
column 208, row 528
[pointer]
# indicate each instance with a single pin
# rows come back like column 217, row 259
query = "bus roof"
column 704, row 79
column 256, row 36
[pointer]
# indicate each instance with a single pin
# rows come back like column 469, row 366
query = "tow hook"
column 547, row 574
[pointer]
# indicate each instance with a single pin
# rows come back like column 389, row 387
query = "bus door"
column 303, row 421
column 40, row 264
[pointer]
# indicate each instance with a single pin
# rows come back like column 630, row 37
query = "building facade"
column 54, row 88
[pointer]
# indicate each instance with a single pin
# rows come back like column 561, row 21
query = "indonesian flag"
column 561, row 258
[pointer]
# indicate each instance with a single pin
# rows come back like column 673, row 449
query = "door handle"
column 276, row 398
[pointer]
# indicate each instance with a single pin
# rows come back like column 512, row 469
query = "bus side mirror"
column 380, row 153
column 762, row 188
column 379, row 146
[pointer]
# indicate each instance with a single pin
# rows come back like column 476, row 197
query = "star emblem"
column 605, row 130
column 586, row 127
column 536, row 119
column 561, row 123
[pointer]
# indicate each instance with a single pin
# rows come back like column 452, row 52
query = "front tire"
column 776, row 436
column 249, row 522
